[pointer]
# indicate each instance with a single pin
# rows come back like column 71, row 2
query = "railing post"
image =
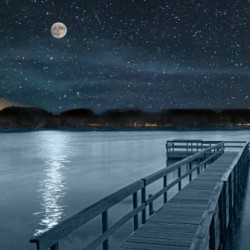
column 167, row 153
column 240, row 179
column 235, row 187
column 165, row 196
column 209, row 153
column 190, row 168
column 135, row 204
column 179, row 175
column 238, row 185
column 105, row 244
column 55, row 246
column 222, row 216
column 230, row 199
column 242, row 176
column 151, row 206
column 221, row 224
column 212, row 235
column 247, row 155
column 204, row 158
column 143, row 201
column 198, row 169
column 224, row 191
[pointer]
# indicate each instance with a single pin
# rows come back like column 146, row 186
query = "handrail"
column 203, row 146
column 66, row 227
column 182, row 148
column 51, row 238
column 199, row 241
column 184, row 141
column 159, row 174
column 210, row 154
column 172, row 184
column 196, row 143
column 233, row 164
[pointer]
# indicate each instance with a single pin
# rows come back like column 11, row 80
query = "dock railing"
column 180, row 149
column 198, row 145
column 50, row 239
column 224, row 203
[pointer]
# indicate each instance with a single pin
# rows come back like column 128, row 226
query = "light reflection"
column 52, row 187
column 52, row 190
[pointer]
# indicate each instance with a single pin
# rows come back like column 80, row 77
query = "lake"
column 47, row 176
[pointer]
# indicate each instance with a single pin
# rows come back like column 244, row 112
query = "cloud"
column 52, row 70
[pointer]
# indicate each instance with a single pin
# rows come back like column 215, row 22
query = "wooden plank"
column 144, row 246
column 157, row 241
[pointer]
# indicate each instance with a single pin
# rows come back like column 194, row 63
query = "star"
column 113, row 57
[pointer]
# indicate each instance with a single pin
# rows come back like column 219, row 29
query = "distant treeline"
column 20, row 117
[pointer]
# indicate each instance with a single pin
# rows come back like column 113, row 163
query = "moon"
column 58, row 30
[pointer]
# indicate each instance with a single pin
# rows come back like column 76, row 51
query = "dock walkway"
column 174, row 226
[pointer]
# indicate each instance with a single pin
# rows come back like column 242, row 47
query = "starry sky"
column 142, row 54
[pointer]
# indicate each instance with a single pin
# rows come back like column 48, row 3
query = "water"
column 48, row 176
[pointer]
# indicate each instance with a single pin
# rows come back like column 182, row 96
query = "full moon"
column 58, row 30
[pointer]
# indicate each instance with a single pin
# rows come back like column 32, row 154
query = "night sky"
column 143, row 54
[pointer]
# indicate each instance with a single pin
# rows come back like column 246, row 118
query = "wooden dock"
column 196, row 218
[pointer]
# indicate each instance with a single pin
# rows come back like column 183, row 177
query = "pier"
column 210, row 177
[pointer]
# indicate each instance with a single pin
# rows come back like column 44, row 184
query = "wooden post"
column 205, row 164
column 224, row 203
column 223, row 216
column 235, row 191
column 239, row 177
column 167, row 153
column 221, row 221
column 165, row 196
column 143, row 200
column 190, row 168
column 230, row 200
column 135, row 204
column 179, row 175
column 209, row 153
column 151, row 206
column 105, row 244
column 242, row 176
column 55, row 247
column 198, row 169
column 238, row 187
column 212, row 235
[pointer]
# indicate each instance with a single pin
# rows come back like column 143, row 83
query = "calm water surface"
column 47, row 176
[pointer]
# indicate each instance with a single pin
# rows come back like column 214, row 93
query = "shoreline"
column 124, row 129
